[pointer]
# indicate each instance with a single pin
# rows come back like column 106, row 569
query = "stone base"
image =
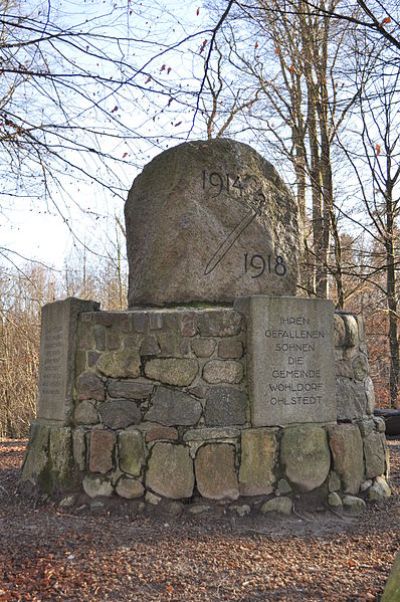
column 161, row 411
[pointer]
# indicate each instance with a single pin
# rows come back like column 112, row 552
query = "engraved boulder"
column 210, row 221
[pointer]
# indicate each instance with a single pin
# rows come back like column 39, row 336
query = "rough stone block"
column 188, row 326
column 351, row 399
column 380, row 490
column 170, row 471
column 225, row 406
column 370, row 393
column 282, row 505
column 140, row 321
column 203, row 347
column 119, row 364
column 172, row 344
column 173, row 407
column 223, row 371
column 37, row 453
column 374, row 454
column 62, row 461
column 206, row 434
column 79, row 448
column 352, row 338
column 90, row 386
column 150, row 346
column 219, row 323
column 360, row 367
column 101, row 451
column 95, row 486
column 131, row 452
column 230, row 349
column 86, row 413
column 215, row 471
column 258, row 458
column 130, row 389
column 353, row 504
column 129, row 488
column 172, row 371
column 159, row 431
column 347, row 449
column 339, row 331
column 305, row 456
column 119, row 413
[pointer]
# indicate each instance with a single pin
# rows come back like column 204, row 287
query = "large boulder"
column 210, row 221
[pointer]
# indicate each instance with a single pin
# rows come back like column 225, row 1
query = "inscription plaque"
column 291, row 361
column 57, row 357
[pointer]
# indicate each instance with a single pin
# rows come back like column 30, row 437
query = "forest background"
column 90, row 92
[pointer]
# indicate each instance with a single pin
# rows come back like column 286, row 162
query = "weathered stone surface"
column 173, row 344
column 360, row 367
column 119, row 364
column 131, row 452
column 159, row 431
column 225, row 406
column 335, row 500
column 79, row 448
column 215, row 471
column 90, row 386
column 354, row 504
column 119, row 413
column 283, row 505
column 240, row 509
column 205, row 434
column 351, row 399
column 283, row 487
column 101, row 451
column 172, row 371
column 305, row 456
column 259, row 451
column 173, row 407
column 62, row 461
column 380, row 490
column 170, row 471
column 366, row 485
column 370, row 393
column 99, row 333
column 58, row 344
column 219, row 323
column 95, row 486
column 203, row 347
column 180, row 217
column 352, row 338
column 334, row 481
column 37, row 453
column 347, row 450
column 130, row 389
column 223, row 371
column 374, row 453
column 188, row 327
column 129, row 488
column 290, row 360
column 150, row 346
column 380, row 424
column 339, row 331
column 230, row 349
column 366, row 426
column 86, row 413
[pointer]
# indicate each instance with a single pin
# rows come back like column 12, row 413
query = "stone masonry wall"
column 161, row 411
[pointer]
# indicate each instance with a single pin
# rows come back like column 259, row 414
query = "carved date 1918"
column 260, row 264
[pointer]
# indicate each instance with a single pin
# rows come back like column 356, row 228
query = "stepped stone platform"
column 176, row 404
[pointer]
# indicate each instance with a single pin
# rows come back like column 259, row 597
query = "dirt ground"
column 94, row 554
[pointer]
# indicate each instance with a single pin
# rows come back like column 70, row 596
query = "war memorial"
column 219, row 384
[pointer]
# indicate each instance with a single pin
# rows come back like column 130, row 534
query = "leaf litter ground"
column 97, row 554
